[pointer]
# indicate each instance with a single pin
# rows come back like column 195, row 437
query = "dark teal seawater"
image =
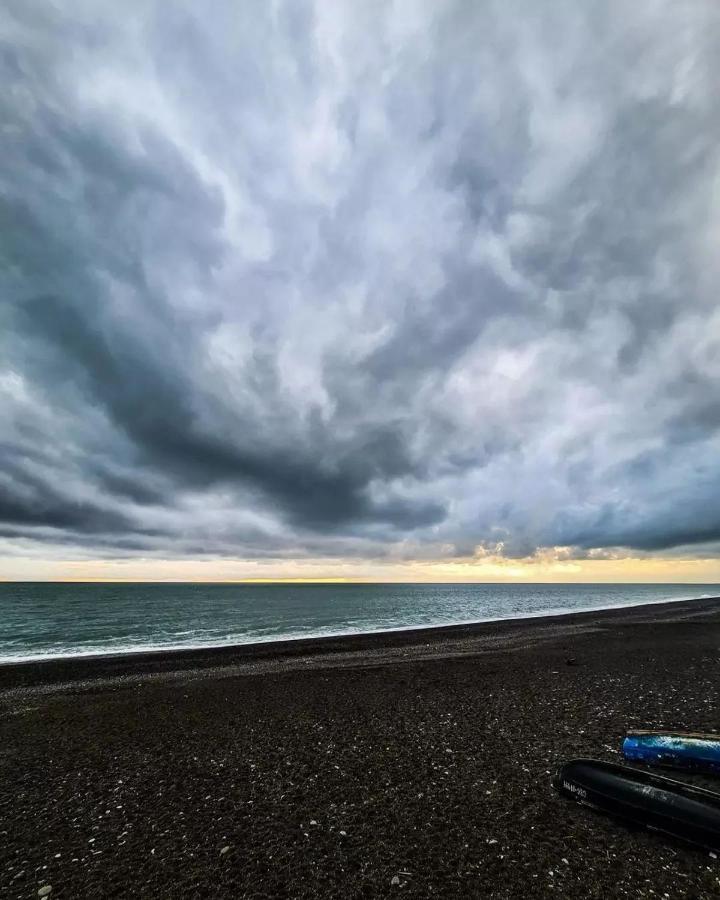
column 40, row 619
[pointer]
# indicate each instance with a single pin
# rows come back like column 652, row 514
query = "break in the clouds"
column 358, row 279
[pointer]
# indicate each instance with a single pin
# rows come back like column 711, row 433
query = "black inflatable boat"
column 644, row 798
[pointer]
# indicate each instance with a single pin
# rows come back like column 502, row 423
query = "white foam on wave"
column 243, row 640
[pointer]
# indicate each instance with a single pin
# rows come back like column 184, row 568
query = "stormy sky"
column 421, row 280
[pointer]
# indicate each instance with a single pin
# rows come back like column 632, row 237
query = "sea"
column 40, row 620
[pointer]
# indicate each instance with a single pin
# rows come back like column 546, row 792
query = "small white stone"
column 224, row 850
column 45, row 890
column 395, row 879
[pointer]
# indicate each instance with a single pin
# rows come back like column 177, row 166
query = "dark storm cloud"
column 359, row 279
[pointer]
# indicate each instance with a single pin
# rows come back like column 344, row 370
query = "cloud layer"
column 359, row 279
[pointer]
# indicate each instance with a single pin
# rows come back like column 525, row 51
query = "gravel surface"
column 416, row 764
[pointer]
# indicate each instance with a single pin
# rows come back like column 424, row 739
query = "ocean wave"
column 113, row 647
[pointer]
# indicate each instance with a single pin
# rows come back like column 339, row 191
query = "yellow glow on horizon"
column 551, row 565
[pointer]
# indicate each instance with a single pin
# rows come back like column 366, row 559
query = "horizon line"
column 329, row 580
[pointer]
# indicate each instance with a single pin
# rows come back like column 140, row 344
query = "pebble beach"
column 408, row 764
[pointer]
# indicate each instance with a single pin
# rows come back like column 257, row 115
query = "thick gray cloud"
column 359, row 279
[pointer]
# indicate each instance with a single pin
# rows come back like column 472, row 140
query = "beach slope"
column 410, row 764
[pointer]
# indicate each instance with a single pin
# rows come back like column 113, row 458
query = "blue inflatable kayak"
column 676, row 750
